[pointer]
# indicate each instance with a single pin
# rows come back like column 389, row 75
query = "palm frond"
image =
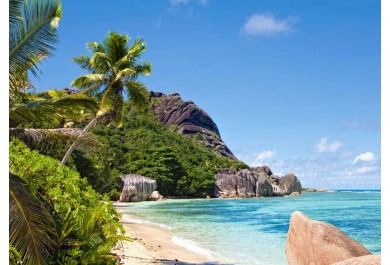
column 115, row 46
column 115, row 115
column 15, row 12
column 137, row 48
column 108, row 99
column 88, row 80
column 133, row 53
column 48, row 139
column 95, row 47
column 84, row 62
column 31, row 227
column 93, row 89
column 49, row 112
column 100, row 62
column 125, row 73
column 143, row 68
column 138, row 94
column 31, row 38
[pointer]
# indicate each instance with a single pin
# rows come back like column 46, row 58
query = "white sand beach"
column 154, row 245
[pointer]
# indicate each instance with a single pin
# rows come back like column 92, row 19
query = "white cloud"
column 365, row 157
column 324, row 147
column 315, row 170
column 266, row 24
column 363, row 170
column 263, row 158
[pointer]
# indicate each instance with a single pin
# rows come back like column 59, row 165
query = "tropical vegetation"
column 115, row 69
column 62, row 214
column 55, row 217
column 181, row 166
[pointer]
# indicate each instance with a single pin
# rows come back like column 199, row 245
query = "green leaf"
column 31, row 226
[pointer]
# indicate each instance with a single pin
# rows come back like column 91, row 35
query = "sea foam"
column 192, row 246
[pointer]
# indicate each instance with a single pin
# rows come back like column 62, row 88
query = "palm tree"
column 32, row 33
column 114, row 71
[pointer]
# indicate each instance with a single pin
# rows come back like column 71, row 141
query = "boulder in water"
column 289, row 184
column 311, row 242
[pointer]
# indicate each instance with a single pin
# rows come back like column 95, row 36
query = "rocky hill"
column 186, row 118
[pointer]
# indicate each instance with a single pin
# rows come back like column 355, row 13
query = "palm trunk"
column 83, row 132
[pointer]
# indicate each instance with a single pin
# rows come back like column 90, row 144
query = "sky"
column 295, row 85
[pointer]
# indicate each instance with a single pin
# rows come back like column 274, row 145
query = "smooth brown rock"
column 363, row 260
column 311, row 242
column 289, row 184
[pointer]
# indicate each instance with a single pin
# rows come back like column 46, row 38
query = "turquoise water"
column 253, row 231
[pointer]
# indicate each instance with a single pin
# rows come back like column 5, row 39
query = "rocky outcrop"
column 363, row 260
column 311, row 242
column 255, row 182
column 240, row 184
column 289, row 184
column 155, row 196
column 136, row 188
column 186, row 118
column 263, row 186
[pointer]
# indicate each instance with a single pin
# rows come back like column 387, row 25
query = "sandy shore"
column 153, row 245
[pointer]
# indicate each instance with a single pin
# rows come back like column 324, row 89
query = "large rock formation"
column 311, row 242
column 136, row 188
column 254, row 182
column 288, row 184
column 188, row 119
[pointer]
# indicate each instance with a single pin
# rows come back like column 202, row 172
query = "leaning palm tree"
column 114, row 71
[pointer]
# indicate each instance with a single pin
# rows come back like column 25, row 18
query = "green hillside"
column 181, row 166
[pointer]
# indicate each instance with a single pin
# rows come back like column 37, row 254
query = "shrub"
column 93, row 220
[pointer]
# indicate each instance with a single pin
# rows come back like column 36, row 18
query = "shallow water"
column 254, row 230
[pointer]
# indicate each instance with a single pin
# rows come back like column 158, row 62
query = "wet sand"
column 153, row 245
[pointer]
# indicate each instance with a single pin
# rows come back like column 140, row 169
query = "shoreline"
column 154, row 245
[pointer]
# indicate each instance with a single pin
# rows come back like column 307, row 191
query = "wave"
column 192, row 246
column 361, row 191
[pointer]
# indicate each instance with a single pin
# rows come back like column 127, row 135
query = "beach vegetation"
column 114, row 69
column 180, row 165
column 71, row 222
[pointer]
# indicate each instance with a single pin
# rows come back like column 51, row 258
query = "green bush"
column 88, row 227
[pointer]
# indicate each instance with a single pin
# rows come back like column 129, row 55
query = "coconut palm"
column 114, row 71
column 32, row 33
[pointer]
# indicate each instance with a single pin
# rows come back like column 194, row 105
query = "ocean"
column 253, row 230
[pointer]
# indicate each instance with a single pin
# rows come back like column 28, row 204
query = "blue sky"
column 295, row 85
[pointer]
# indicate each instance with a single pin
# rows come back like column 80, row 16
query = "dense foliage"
column 142, row 145
column 86, row 226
